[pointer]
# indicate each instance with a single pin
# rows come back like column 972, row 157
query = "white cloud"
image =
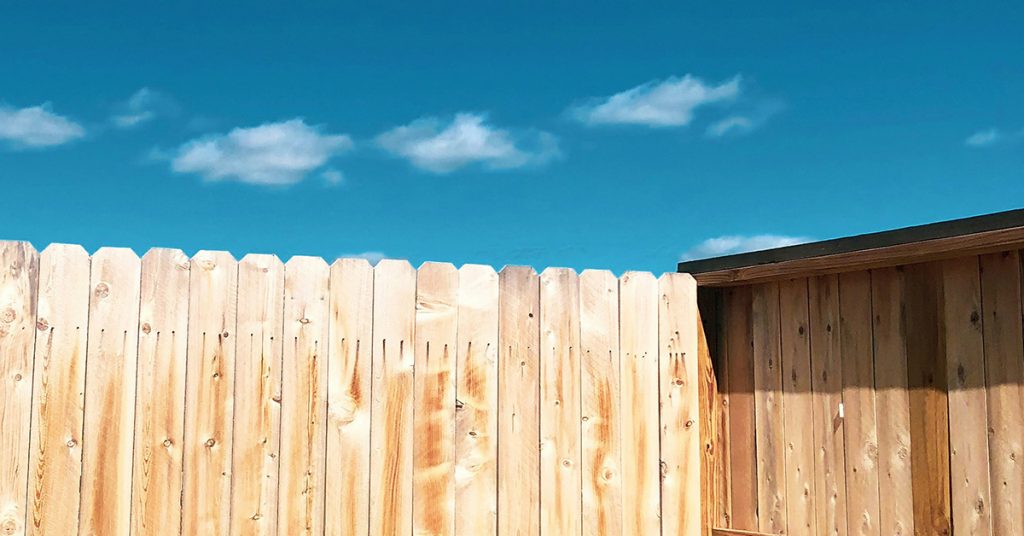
column 983, row 138
column 729, row 245
column 659, row 103
column 37, row 126
column 734, row 124
column 143, row 106
column 333, row 176
column 432, row 145
column 272, row 153
column 373, row 257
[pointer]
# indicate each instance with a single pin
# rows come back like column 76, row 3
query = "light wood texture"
column 895, row 482
column 518, row 402
column 304, row 397
column 257, row 402
column 19, row 279
column 799, row 407
column 160, row 394
column 680, row 433
column 391, row 441
column 58, row 395
column 437, row 294
column 476, row 434
column 1004, row 366
column 968, row 408
column 348, row 398
column 601, row 418
column 638, row 339
column 769, row 411
column 560, row 454
column 739, row 360
column 827, row 389
column 209, row 389
column 714, row 424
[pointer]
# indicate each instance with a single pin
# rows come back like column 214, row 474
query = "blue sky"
column 621, row 136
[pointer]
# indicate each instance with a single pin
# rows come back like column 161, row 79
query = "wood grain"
column 303, row 468
column 348, row 398
column 769, row 411
column 19, row 281
column 437, row 293
column 739, row 361
column 476, row 434
column 798, row 402
column 59, row 390
column 600, row 415
column 257, row 400
column 160, row 395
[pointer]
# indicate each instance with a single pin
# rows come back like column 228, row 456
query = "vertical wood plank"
column 714, row 460
column 859, row 403
column 256, row 439
column 476, row 435
column 929, row 422
column 968, row 408
column 827, row 388
column 159, row 418
column 518, row 402
column 348, row 398
column 641, row 467
column 799, row 404
column 560, row 455
column 1004, row 365
column 680, row 433
column 19, row 279
column 895, row 484
column 437, row 294
column 739, row 359
column 209, row 388
column 301, row 494
column 110, row 379
column 601, row 417
column 59, row 390
column 769, row 412
column 394, row 319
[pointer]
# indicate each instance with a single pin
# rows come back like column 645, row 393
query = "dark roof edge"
column 906, row 235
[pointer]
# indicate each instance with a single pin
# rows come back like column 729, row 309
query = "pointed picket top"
column 306, row 262
column 65, row 250
column 122, row 254
column 552, row 274
column 394, row 266
column 633, row 275
column 478, row 271
column 600, row 277
column 352, row 263
column 264, row 261
column 170, row 255
column 208, row 260
column 24, row 248
column 678, row 278
column 510, row 270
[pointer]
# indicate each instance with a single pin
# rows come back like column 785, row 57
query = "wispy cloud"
column 984, row 138
column 271, row 154
column 748, row 118
column 143, row 106
column 441, row 147
column 659, row 103
column 373, row 257
column 37, row 126
column 732, row 244
column 333, row 176
column 734, row 124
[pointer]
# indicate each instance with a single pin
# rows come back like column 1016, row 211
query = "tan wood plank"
column 895, row 484
column 929, row 422
column 859, row 403
column 348, row 398
column 437, row 294
column 968, row 407
column 160, row 396
column 301, row 493
column 739, row 360
column 827, row 389
column 19, row 281
column 560, row 454
column 476, row 434
column 110, row 380
column 641, row 468
column 714, row 460
column 257, row 401
column 59, row 390
column 394, row 319
column 518, row 402
column 599, row 389
column 209, row 388
column 769, row 411
column 680, row 433
column 799, row 404
column 1004, row 365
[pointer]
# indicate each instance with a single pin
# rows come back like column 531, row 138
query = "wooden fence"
column 872, row 402
column 171, row 395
